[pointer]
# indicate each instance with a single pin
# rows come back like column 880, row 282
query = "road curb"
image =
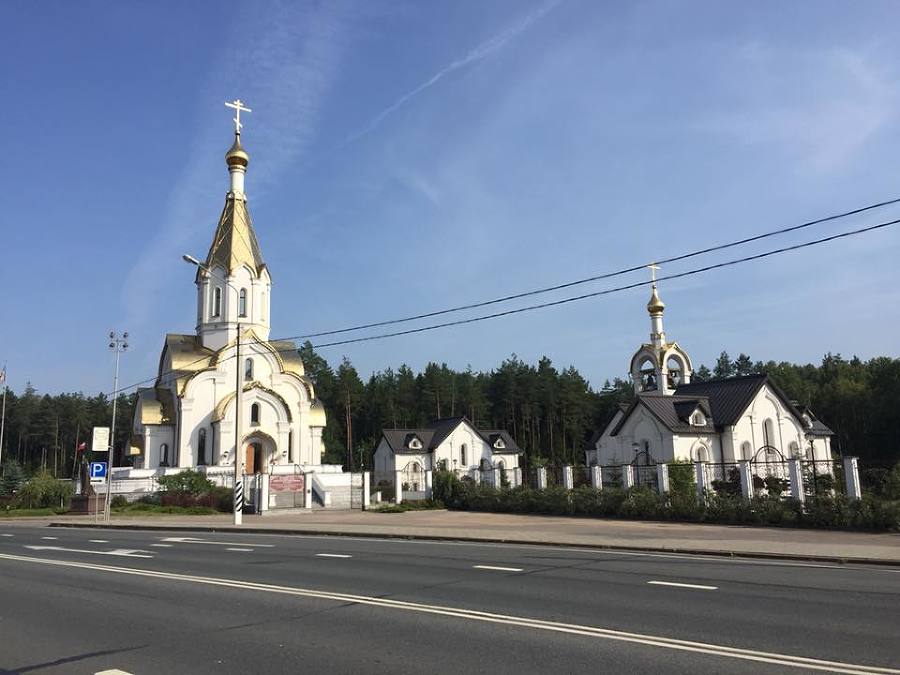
column 761, row 555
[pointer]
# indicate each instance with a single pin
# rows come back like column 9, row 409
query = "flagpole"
column 3, row 414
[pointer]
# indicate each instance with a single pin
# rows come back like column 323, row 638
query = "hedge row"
column 823, row 511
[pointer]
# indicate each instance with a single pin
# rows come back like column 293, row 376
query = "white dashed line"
column 50, row 538
column 7, row 535
column 497, row 569
column 333, row 555
column 672, row 583
column 162, row 545
column 234, row 548
column 99, row 541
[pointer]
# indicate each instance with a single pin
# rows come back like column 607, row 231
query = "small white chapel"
column 720, row 420
column 187, row 418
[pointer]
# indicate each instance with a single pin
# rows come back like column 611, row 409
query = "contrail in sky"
column 480, row 52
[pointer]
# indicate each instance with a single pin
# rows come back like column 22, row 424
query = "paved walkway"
column 658, row 536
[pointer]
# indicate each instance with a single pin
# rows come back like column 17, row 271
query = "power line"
column 608, row 291
column 607, row 275
column 554, row 303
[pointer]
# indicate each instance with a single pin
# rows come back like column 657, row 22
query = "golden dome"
column 655, row 306
column 236, row 153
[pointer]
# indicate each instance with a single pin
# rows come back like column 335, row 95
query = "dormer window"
column 698, row 419
column 415, row 444
column 499, row 444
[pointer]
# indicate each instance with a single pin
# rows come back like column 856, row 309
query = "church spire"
column 237, row 158
column 655, row 308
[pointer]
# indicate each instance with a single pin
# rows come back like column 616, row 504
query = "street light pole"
column 118, row 345
column 238, row 408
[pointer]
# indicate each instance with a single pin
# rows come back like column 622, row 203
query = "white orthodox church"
column 721, row 420
column 187, row 418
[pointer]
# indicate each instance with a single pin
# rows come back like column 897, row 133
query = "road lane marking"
column 124, row 552
column 672, row 583
column 114, row 671
column 705, row 648
column 235, row 548
column 98, row 541
column 193, row 540
column 7, row 535
column 497, row 569
column 333, row 555
column 50, row 538
column 162, row 545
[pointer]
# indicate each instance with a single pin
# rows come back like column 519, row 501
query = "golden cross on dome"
column 653, row 267
column 238, row 106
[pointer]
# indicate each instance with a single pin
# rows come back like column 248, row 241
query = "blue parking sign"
column 97, row 470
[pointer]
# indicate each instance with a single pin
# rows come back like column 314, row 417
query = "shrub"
column 118, row 502
column 44, row 491
column 186, row 482
column 13, row 476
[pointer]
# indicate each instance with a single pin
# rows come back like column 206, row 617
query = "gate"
column 356, row 490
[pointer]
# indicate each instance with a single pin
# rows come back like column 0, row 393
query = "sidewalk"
column 822, row 545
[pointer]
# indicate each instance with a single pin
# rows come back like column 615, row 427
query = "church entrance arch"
column 259, row 449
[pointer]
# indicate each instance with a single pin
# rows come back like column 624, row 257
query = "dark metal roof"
column 729, row 397
column 674, row 412
column 437, row 431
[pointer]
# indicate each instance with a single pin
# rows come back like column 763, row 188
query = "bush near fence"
column 681, row 504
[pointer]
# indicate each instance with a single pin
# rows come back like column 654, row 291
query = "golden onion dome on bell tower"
column 655, row 306
column 236, row 155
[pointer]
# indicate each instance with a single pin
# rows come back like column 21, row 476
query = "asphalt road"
column 86, row 600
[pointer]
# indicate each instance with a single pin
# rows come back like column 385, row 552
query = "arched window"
column 242, row 302
column 769, row 438
column 201, row 447
column 217, row 301
column 462, row 455
column 290, row 447
column 164, row 454
column 703, row 454
column 248, row 370
column 675, row 370
column 254, row 413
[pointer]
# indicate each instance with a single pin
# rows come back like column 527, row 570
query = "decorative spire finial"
column 655, row 306
column 238, row 106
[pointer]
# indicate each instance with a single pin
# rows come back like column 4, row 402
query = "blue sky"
column 408, row 156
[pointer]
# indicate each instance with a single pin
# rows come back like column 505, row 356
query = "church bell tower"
column 659, row 367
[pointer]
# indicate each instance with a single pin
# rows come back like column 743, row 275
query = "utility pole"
column 118, row 345
column 3, row 414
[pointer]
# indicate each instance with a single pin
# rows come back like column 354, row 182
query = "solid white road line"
column 333, row 555
column 672, row 583
column 162, row 545
column 50, row 538
column 711, row 649
column 98, row 541
column 7, row 535
column 235, row 548
column 114, row 671
column 497, row 569
column 193, row 540
column 123, row 552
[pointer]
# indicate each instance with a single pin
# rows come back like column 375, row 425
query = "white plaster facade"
column 452, row 443
column 187, row 419
column 725, row 420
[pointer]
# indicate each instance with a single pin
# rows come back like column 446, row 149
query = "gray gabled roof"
column 437, row 431
column 674, row 412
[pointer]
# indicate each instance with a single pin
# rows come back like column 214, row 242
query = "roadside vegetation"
column 878, row 512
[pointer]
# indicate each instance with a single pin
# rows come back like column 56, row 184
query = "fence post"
column 851, row 477
column 746, row 479
column 517, row 477
column 428, row 483
column 367, row 490
column 263, row 492
column 542, row 478
column 662, row 478
column 568, row 481
column 796, row 477
column 627, row 476
column 596, row 478
column 700, row 478
column 398, row 487
column 307, row 490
